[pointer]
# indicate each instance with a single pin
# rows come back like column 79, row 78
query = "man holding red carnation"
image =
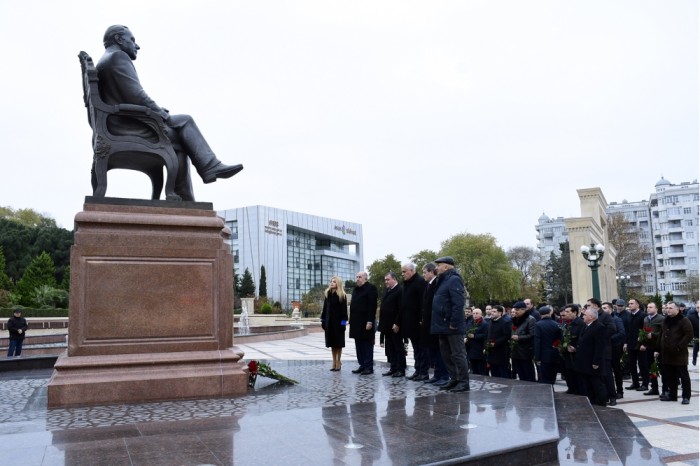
column 650, row 345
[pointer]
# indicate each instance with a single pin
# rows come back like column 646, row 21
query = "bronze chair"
column 132, row 152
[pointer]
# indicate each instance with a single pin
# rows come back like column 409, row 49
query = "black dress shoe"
column 367, row 372
column 420, row 378
column 686, row 401
column 652, row 392
column 432, row 380
column 632, row 387
column 667, row 398
column 388, row 373
column 358, row 370
column 612, row 402
column 460, row 387
column 449, row 385
column 642, row 388
column 620, row 395
column 398, row 374
column 220, row 170
column 412, row 376
column 441, row 382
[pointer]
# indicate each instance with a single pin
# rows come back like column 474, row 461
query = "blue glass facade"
column 299, row 251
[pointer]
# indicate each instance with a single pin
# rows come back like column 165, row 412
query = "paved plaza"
column 343, row 418
column 671, row 428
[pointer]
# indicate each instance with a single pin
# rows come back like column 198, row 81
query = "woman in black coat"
column 334, row 318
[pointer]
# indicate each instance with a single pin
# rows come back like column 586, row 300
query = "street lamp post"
column 594, row 255
column 623, row 279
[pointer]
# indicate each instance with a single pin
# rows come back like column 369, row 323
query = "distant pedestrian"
column 17, row 325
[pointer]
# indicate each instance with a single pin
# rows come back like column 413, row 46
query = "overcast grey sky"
column 418, row 120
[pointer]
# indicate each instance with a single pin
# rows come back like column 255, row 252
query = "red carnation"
column 253, row 367
column 648, row 329
column 556, row 343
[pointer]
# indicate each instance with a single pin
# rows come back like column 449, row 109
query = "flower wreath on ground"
column 256, row 368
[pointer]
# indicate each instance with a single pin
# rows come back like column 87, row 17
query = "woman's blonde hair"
column 340, row 291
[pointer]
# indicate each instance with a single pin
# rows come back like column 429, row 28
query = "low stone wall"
column 41, row 323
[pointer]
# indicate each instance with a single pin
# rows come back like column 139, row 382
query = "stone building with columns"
column 591, row 228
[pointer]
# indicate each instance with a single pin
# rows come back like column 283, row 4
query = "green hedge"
column 7, row 312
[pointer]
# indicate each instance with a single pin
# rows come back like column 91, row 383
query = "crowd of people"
column 594, row 347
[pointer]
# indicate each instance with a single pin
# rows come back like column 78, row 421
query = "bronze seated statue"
column 131, row 131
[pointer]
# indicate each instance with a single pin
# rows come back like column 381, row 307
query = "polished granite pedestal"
column 151, row 306
column 329, row 418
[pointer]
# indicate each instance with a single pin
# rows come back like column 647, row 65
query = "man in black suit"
column 571, row 330
column 607, row 322
column 119, row 84
column 590, row 358
column 389, row 325
column 363, row 314
column 631, row 346
column 430, row 342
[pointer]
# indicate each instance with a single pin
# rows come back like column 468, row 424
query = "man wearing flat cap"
column 449, row 324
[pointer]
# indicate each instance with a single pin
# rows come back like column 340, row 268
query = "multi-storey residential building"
column 667, row 227
column 674, row 218
column 550, row 233
column 643, row 274
column 299, row 251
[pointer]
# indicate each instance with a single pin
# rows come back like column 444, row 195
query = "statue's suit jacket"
column 119, row 84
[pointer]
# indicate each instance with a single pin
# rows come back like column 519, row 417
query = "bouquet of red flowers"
column 512, row 342
column 489, row 346
column 643, row 336
column 624, row 360
column 255, row 368
column 654, row 369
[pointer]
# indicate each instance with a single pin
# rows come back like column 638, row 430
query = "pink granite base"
column 151, row 307
column 138, row 378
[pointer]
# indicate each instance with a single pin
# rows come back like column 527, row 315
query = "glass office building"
column 299, row 251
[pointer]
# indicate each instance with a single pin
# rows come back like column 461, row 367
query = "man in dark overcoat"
column 476, row 340
column 363, row 316
column 499, row 333
column 546, row 345
column 389, row 321
column 571, row 330
column 590, row 357
column 676, row 335
column 412, row 305
column 449, row 324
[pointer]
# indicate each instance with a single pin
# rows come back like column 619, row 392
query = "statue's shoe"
column 220, row 171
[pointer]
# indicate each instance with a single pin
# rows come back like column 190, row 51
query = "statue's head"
column 122, row 37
